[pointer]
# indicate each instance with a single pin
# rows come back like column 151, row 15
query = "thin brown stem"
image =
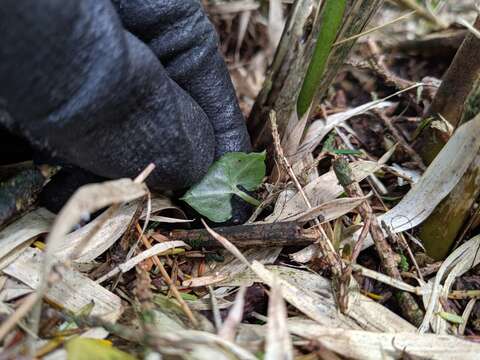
column 168, row 279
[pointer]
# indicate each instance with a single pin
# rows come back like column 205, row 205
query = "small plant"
column 211, row 196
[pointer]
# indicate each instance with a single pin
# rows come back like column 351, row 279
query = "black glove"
column 112, row 88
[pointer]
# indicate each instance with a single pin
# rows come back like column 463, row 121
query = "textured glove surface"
column 112, row 87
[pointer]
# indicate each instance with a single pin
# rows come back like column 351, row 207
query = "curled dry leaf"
column 278, row 342
column 87, row 200
column 73, row 291
column 466, row 315
column 293, row 136
column 113, row 226
column 438, row 180
column 456, row 264
column 21, row 232
column 112, row 229
column 312, row 295
column 320, row 128
column 131, row 263
column 330, row 210
column 234, row 318
column 355, row 344
column 324, row 188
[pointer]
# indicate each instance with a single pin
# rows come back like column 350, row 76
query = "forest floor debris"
column 143, row 279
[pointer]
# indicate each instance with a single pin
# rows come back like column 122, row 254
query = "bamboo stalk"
column 457, row 100
column 286, row 75
column 358, row 15
column 333, row 15
column 440, row 230
column 458, row 97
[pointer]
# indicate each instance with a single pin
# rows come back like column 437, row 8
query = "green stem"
column 247, row 198
column 332, row 21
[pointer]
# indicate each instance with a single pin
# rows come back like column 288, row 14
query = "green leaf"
column 211, row 196
column 329, row 144
column 81, row 348
column 189, row 297
column 453, row 318
column 84, row 311
column 404, row 266
column 347, row 152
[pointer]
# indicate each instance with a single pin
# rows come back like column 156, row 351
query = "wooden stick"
column 19, row 192
column 242, row 236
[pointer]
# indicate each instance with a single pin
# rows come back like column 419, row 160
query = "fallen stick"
column 19, row 192
column 257, row 235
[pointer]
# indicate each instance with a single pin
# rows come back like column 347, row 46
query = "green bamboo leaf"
column 453, row 318
column 347, row 152
column 211, row 196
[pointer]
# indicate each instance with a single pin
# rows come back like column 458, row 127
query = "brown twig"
column 359, row 244
column 168, row 279
column 400, row 239
column 121, row 251
column 387, row 256
column 19, row 192
column 423, row 13
column 326, row 247
column 408, row 149
column 256, row 235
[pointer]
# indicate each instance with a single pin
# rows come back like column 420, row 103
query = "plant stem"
column 247, row 198
column 388, row 257
column 424, row 13
column 333, row 15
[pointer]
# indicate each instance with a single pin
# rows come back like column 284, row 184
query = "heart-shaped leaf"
column 211, row 196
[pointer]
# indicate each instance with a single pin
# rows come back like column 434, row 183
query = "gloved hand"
column 110, row 87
